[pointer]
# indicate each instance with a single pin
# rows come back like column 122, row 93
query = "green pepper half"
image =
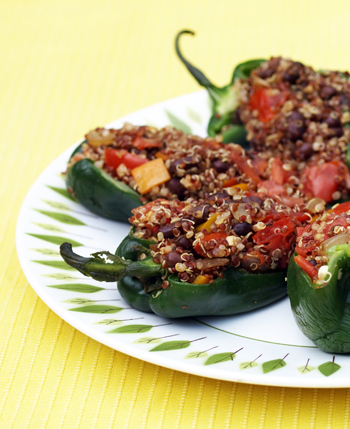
column 99, row 192
column 224, row 99
column 322, row 312
column 140, row 283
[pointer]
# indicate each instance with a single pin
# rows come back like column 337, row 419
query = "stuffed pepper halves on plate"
column 221, row 255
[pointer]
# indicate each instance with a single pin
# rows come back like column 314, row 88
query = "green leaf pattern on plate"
column 56, row 264
column 329, row 368
column 99, row 309
column 220, row 357
column 62, row 217
column 131, row 329
column 62, row 192
column 171, row 345
column 77, row 287
column 54, row 239
column 272, row 365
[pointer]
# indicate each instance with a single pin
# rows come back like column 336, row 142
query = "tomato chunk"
column 246, row 167
column 267, row 102
column 306, row 266
column 116, row 157
column 321, row 180
column 341, row 208
column 142, row 143
column 280, row 235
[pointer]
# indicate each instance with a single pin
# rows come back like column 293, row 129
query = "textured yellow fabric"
column 68, row 66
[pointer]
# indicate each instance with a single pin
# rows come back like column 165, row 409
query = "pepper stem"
column 104, row 266
column 217, row 94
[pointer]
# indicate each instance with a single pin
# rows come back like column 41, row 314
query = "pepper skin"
column 322, row 312
column 237, row 292
column 224, row 99
column 99, row 193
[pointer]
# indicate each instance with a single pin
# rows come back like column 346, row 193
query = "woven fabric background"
column 68, row 66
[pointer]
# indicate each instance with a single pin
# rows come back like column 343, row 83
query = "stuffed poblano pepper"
column 319, row 280
column 290, row 112
column 222, row 255
column 116, row 170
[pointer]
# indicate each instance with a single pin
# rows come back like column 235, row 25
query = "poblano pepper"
column 238, row 291
column 319, row 281
column 99, row 192
column 116, row 170
column 225, row 101
column 225, row 254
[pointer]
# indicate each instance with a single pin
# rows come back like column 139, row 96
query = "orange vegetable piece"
column 162, row 155
column 153, row 173
column 207, row 225
column 200, row 280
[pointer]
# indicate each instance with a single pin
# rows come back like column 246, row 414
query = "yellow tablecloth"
column 68, row 66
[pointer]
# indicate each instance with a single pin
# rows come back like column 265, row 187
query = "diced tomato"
column 267, row 102
column 279, row 175
column 272, row 188
column 341, row 208
column 280, row 235
column 306, row 266
column 116, row 157
column 143, row 143
column 260, row 164
column 321, row 179
column 242, row 162
column 339, row 221
column 291, row 201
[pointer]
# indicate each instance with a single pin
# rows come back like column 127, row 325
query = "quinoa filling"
column 199, row 239
column 191, row 166
column 332, row 228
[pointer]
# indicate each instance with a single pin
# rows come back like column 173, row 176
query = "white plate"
column 261, row 347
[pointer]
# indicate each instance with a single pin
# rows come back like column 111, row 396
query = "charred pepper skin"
column 100, row 193
column 238, row 291
column 223, row 99
column 322, row 312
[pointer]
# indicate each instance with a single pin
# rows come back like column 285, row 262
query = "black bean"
column 291, row 76
column 264, row 74
column 295, row 130
column 305, row 151
column 219, row 166
column 336, row 132
column 295, row 116
column 174, row 164
column 313, row 262
column 175, row 187
column 201, row 212
column 184, row 242
column 189, row 163
column 333, row 120
column 172, row 258
column 327, row 92
column 217, row 195
column 167, row 230
column 252, row 199
column 242, row 228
